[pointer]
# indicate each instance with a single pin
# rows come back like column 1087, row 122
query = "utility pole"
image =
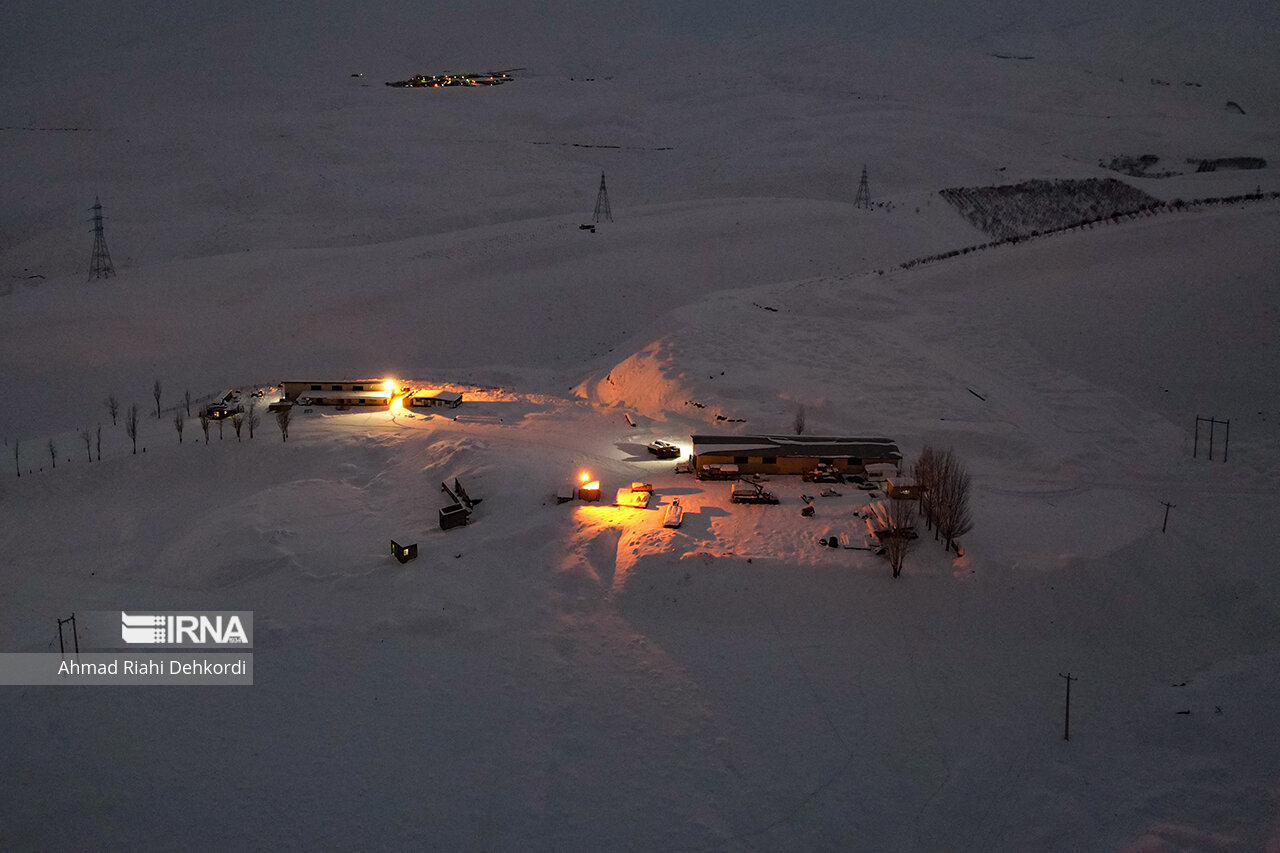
column 1167, row 506
column 863, row 197
column 100, row 266
column 1066, row 724
column 75, row 635
column 602, row 204
column 1212, row 422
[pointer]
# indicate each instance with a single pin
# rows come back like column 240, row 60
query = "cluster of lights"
column 435, row 81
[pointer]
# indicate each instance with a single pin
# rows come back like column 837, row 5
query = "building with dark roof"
column 435, row 397
column 733, row 455
column 347, row 392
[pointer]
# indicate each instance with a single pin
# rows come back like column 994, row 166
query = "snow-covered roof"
column 795, row 445
column 436, row 394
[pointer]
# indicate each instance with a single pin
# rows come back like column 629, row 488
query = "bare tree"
column 87, row 438
column 99, row 442
column 952, row 503
column 131, row 426
column 53, row 453
column 204, row 424
column 253, row 417
column 113, row 406
column 798, row 423
column 237, row 421
column 155, row 392
column 282, row 421
column 186, row 398
column 925, row 473
column 179, row 420
column 220, row 423
column 899, row 537
column 17, row 467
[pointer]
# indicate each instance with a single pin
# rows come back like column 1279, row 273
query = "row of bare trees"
column 252, row 417
column 944, row 483
column 896, row 536
column 113, row 402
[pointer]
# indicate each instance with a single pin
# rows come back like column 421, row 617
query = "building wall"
column 783, row 464
column 293, row 389
column 335, row 398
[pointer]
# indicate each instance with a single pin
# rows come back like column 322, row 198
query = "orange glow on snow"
column 622, row 517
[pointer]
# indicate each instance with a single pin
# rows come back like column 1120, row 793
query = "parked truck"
column 745, row 492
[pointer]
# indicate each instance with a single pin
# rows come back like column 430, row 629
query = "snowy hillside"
column 577, row 676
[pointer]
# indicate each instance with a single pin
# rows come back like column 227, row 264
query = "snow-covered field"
column 577, row 677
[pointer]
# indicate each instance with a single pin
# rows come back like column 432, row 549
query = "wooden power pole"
column 1066, row 720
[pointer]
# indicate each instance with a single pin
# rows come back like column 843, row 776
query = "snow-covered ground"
column 574, row 677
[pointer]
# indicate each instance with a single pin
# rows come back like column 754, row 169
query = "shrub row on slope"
column 1175, row 206
column 1017, row 210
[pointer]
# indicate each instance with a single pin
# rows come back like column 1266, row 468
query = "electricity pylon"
column 602, row 204
column 863, row 198
column 100, row 266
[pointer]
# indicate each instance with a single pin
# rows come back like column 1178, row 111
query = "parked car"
column 664, row 449
column 824, row 473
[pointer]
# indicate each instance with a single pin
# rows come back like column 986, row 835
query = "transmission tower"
column 100, row 266
column 863, row 198
column 602, row 204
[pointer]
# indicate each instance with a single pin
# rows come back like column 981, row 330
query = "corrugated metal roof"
column 796, row 445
